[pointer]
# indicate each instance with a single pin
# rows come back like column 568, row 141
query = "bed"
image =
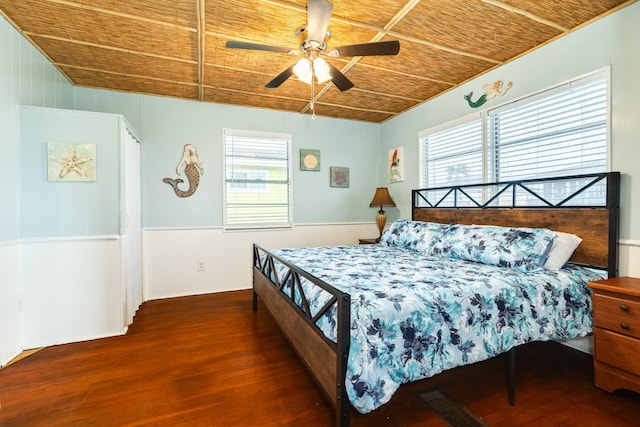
column 434, row 295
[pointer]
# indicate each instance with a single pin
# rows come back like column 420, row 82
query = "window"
column 561, row 131
column 257, row 180
column 453, row 155
column 250, row 180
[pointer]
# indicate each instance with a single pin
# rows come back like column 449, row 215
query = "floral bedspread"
column 414, row 316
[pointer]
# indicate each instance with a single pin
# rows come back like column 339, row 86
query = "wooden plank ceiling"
column 176, row 48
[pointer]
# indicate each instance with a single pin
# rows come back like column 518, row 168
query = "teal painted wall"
column 26, row 78
column 62, row 209
column 166, row 125
column 610, row 42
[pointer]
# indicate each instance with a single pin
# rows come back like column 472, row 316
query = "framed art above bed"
column 468, row 278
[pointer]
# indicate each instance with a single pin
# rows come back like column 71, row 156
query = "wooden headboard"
column 584, row 205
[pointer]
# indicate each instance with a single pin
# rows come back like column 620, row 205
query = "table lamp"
column 381, row 198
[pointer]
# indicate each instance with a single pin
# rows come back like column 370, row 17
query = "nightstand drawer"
column 617, row 314
column 617, row 350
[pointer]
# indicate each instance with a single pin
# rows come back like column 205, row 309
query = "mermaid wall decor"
column 193, row 169
column 491, row 90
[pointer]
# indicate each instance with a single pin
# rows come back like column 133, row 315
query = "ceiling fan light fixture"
column 313, row 39
column 303, row 71
column 321, row 70
column 306, row 70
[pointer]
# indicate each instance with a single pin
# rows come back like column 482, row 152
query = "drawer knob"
column 623, row 307
column 624, row 326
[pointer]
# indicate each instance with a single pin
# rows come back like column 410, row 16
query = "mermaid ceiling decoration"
column 192, row 169
column 490, row 91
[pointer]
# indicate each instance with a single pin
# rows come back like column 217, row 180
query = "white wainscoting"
column 629, row 262
column 584, row 344
column 57, row 291
column 72, row 290
column 11, row 316
column 172, row 256
column 629, row 265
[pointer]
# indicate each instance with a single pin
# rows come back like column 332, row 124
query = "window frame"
column 227, row 132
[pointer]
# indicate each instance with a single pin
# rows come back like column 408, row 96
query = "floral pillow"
column 523, row 249
column 419, row 236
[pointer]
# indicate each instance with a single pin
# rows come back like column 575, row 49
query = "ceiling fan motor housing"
column 306, row 44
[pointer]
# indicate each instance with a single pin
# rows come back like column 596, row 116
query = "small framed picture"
column 396, row 164
column 339, row 177
column 71, row 162
column 309, row 160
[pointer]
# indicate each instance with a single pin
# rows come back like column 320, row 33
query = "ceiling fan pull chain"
column 313, row 92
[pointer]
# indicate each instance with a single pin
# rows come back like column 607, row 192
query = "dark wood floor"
column 211, row 361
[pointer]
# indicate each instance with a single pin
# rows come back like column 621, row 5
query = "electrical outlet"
column 200, row 265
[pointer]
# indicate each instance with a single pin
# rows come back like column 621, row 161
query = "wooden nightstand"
column 616, row 312
column 369, row 241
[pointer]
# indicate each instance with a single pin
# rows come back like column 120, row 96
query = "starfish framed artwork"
column 71, row 162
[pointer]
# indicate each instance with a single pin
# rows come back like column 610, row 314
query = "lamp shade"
column 382, row 197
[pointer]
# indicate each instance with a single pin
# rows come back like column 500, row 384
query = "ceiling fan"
column 313, row 40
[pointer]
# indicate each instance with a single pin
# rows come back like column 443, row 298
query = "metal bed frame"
column 493, row 203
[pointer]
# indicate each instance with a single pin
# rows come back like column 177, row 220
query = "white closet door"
column 132, row 227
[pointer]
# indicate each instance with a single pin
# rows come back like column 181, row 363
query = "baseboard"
column 19, row 356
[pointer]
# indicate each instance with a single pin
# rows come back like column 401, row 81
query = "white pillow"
column 561, row 250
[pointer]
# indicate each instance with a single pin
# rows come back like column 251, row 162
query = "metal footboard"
column 325, row 359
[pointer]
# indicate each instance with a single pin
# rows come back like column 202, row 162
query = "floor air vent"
column 449, row 410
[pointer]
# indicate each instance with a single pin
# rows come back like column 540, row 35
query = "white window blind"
column 257, row 179
column 559, row 132
column 452, row 156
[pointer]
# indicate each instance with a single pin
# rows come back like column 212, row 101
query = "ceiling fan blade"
column 391, row 47
column 340, row 80
column 257, row 46
column 280, row 78
column 318, row 15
